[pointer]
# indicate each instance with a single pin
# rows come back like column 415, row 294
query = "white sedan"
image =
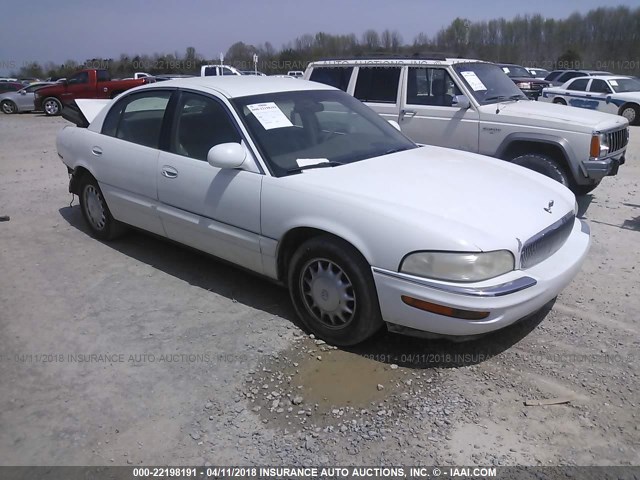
column 609, row 94
column 304, row 184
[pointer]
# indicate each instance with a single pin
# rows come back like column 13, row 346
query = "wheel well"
column 515, row 149
column 76, row 179
column 626, row 105
column 292, row 240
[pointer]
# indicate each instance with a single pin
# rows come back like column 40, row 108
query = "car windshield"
column 516, row 71
column 488, row 83
column 316, row 128
column 622, row 85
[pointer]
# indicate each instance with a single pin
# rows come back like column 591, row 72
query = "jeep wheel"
column 559, row 101
column 631, row 112
column 544, row 165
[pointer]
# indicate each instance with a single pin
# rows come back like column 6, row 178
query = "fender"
column 576, row 167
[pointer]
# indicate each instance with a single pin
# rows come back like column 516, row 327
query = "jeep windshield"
column 488, row 83
column 302, row 130
column 516, row 71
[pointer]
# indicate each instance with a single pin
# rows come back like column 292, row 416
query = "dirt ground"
column 142, row 352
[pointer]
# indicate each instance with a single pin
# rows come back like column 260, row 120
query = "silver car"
column 21, row 100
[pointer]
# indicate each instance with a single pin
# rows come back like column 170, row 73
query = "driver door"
column 428, row 116
column 211, row 209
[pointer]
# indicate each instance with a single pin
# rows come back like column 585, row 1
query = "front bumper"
column 597, row 169
column 504, row 297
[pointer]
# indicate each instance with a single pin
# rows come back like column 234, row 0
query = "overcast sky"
column 43, row 30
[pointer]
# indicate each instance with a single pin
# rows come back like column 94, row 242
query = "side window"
column 377, row 84
column 210, row 71
column 579, row 85
column 552, row 76
column 79, row 78
column 430, row 86
column 599, row 86
column 137, row 118
column 565, row 77
column 103, row 75
column 201, row 123
column 337, row 77
column 227, row 71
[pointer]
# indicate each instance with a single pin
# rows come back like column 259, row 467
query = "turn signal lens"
column 595, row 146
column 443, row 310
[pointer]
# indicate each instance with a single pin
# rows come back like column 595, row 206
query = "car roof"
column 239, row 85
column 599, row 77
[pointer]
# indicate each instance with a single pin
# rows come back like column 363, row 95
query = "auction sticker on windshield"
column 474, row 82
column 269, row 115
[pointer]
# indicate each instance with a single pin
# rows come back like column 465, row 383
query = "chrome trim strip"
column 491, row 291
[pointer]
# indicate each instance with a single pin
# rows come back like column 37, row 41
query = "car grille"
column 544, row 244
column 618, row 140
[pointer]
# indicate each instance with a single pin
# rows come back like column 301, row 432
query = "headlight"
column 523, row 85
column 458, row 266
column 599, row 145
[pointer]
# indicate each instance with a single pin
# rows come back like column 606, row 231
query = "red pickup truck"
column 90, row 83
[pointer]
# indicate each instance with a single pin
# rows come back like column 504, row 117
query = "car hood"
column 530, row 79
column 560, row 117
column 472, row 200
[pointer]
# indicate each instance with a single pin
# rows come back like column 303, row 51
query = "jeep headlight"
column 458, row 266
column 526, row 85
column 599, row 145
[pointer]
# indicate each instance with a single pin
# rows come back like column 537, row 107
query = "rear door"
column 379, row 88
column 600, row 90
column 211, row 209
column 428, row 116
column 125, row 157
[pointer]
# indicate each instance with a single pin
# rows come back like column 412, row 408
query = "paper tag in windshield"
column 613, row 82
column 505, row 69
column 305, row 162
column 269, row 115
column 474, row 82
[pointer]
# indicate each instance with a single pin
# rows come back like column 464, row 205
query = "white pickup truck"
column 473, row 105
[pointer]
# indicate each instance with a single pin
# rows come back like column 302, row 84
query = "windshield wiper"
column 395, row 150
column 315, row 165
column 501, row 98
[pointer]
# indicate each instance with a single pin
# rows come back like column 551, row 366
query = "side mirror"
column 22, row 92
column 395, row 125
column 461, row 101
column 227, row 155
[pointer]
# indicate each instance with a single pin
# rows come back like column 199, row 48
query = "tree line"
column 606, row 38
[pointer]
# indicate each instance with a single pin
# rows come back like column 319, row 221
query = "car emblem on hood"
column 548, row 209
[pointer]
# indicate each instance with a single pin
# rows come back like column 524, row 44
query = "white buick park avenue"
column 304, row 184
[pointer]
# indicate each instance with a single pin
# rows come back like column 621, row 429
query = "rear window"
column 377, row 84
column 579, row 85
column 337, row 77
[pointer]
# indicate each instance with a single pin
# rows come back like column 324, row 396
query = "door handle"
column 169, row 172
column 404, row 112
column 96, row 151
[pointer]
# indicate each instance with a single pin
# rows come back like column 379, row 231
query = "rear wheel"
column 559, row 101
column 584, row 189
column 96, row 212
column 8, row 107
column 52, row 106
column 333, row 292
column 631, row 112
column 543, row 164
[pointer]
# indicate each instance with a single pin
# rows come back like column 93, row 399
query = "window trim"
column 429, row 67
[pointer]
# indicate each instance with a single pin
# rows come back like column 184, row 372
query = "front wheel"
column 580, row 190
column 8, row 107
column 333, row 292
column 96, row 212
column 559, row 101
column 52, row 106
column 545, row 165
column 632, row 113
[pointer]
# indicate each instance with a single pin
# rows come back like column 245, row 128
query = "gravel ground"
column 142, row 352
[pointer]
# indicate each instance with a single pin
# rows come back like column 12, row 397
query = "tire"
column 544, row 165
column 559, row 101
column 52, row 106
column 580, row 190
column 96, row 212
column 631, row 112
column 333, row 292
column 8, row 107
